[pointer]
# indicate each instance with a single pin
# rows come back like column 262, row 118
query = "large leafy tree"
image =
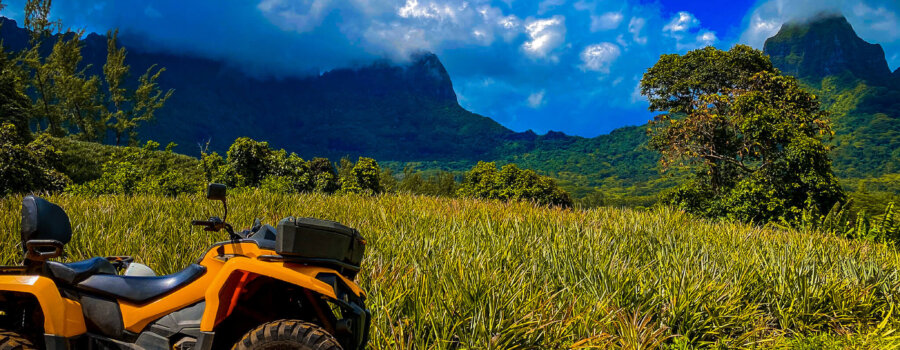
column 752, row 136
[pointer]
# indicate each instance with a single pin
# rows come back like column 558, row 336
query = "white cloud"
column 599, row 57
column 706, row 38
column 635, row 26
column 682, row 22
column 536, row 99
column 582, row 5
column 636, row 92
column 301, row 18
column 880, row 20
column 548, row 5
column 545, row 36
column 606, row 21
column 685, row 29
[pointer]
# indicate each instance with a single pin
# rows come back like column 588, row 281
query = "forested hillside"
column 856, row 86
column 396, row 114
column 408, row 115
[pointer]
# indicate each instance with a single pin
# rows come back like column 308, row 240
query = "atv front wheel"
column 287, row 334
column 14, row 341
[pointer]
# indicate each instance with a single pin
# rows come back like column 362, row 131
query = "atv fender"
column 63, row 316
column 224, row 288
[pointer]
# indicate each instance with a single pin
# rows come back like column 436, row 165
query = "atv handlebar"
column 202, row 223
column 215, row 224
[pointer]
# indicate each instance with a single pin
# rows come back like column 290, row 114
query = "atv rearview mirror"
column 216, row 192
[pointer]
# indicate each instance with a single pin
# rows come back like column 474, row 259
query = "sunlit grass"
column 465, row 274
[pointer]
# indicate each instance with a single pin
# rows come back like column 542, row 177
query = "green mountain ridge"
column 855, row 84
column 394, row 113
column 824, row 46
column 409, row 114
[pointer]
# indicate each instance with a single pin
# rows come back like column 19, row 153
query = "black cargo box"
column 324, row 242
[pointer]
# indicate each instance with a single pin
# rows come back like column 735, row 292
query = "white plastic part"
column 136, row 269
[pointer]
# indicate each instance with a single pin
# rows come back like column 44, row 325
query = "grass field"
column 464, row 274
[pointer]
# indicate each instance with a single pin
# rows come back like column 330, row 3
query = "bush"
column 252, row 163
column 441, row 183
column 28, row 167
column 363, row 177
column 249, row 162
column 512, row 183
column 133, row 173
column 324, row 176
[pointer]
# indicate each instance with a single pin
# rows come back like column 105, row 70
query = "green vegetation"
column 132, row 170
column 64, row 94
column 751, row 135
column 450, row 273
column 126, row 110
column 27, row 166
column 512, row 183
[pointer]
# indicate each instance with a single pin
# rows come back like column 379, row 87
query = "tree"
column 290, row 174
column 752, row 135
column 363, row 177
column 512, row 183
column 66, row 98
column 249, row 162
column 79, row 101
column 325, row 178
column 14, row 103
column 40, row 70
column 126, row 110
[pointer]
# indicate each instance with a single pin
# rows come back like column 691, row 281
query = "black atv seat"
column 78, row 271
column 140, row 289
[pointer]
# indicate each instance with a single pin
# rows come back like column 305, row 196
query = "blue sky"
column 566, row 65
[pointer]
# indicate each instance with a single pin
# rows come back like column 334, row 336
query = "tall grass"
column 463, row 274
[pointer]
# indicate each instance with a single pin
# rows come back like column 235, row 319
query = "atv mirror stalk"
column 218, row 192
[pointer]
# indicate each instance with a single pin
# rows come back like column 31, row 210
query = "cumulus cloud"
column 599, row 57
column 685, row 29
column 548, row 5
column 635, row 26
column 536, row 99
column 546, row 35
column 682, row 22
column 606, row 21
column 878, row 19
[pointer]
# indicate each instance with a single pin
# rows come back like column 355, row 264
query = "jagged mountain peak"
column 826, row 45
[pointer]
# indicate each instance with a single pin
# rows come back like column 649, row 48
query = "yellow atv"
column 289, row 287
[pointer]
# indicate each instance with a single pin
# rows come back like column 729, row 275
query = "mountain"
column 382, row 110
column 394, row 113
column 827, row 45
column 856, row 86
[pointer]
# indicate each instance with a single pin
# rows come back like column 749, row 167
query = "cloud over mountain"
column 875, row 21
column 568, row 65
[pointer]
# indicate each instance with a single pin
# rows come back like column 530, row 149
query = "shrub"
column 249, row 161
column 27, row 167
column 363, row 177
column 324, row 176
column 512, row 183
column 132, row 173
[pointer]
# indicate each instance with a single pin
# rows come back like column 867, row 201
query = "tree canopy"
column 752, row 136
